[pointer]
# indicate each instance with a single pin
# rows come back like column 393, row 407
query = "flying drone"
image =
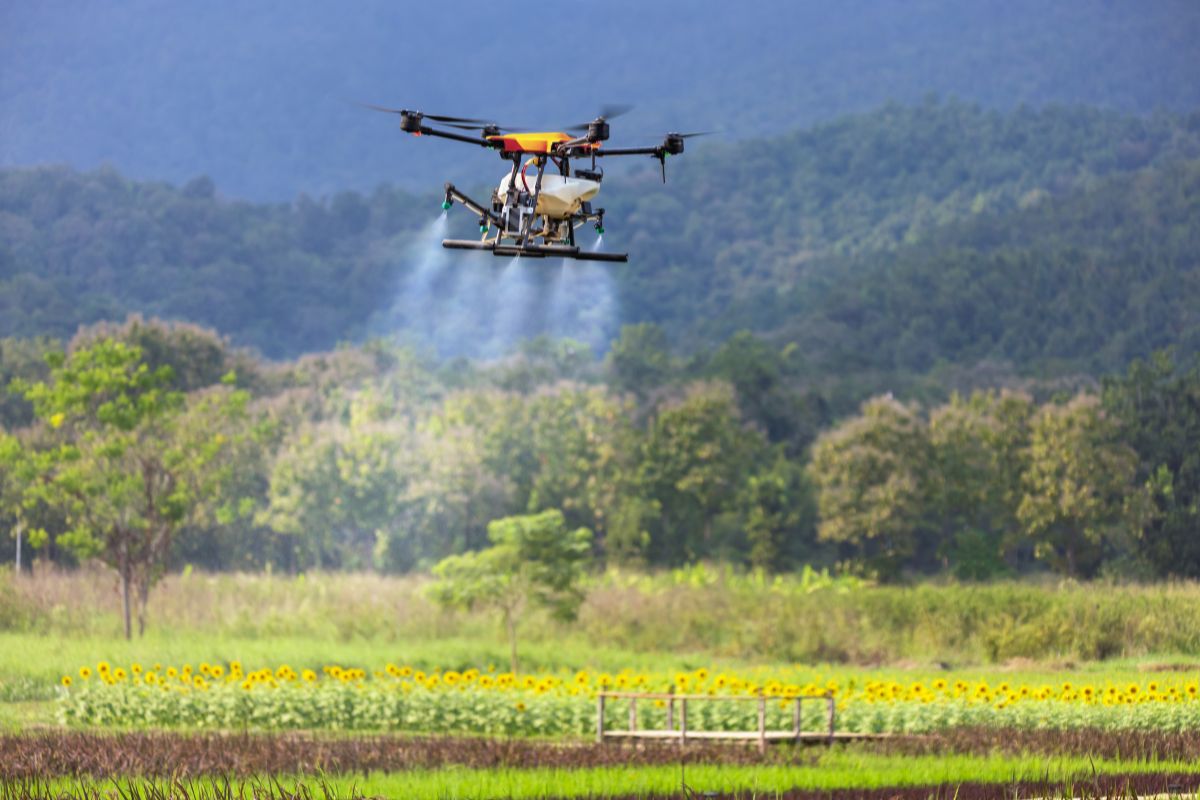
column 541, row 201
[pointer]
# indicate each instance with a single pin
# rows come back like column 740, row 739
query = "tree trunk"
column 143, row 595
column 125, row 598
column 510, row 623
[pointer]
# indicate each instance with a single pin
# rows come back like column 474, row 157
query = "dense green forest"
column 883, row 245
column 377, row 457
column 922, row 339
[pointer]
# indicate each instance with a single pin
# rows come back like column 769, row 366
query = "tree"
column 198, row 357
column 1158, row 404
column 339, row 490
column 694, row 460
column 638, row 360
column 129, row 461
column 778, row 515
column 1079, row 493
column 579, row 437
column 477, row 465
column 870, row 476
column 20, row 359
column 533, row 561
column 978, row 447
column 759, row 373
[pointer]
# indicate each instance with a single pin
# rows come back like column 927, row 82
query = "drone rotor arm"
column 425, row 130
column 628, row 151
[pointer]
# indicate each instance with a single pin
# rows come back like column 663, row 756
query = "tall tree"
column 129, row 461
column 1158, row 403
column 339, row 490
column 978, row 447
column 778, row 514
column 870, row 475
column 695, row 457
column 1079, row 492
column 579, row 437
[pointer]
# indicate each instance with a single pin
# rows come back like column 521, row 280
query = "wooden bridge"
column 682, row 734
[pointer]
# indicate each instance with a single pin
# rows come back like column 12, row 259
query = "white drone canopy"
column 560, row 197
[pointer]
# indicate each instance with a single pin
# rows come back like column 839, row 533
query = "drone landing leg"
column 537, row 192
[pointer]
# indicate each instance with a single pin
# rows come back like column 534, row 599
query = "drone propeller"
column 693, row 135
column 461, row 123
column 487, row 126
column 434, row 117
column 607, row 112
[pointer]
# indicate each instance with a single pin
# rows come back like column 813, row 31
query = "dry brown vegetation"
column 1166, row 786
column 100, row 755
column 78, row 754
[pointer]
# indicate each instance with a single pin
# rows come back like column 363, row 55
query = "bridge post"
column 683, row 720
column 762, row 722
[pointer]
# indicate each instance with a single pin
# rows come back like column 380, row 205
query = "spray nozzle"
column 446, row 205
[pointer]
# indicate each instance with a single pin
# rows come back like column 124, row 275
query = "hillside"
column 261, row 98
column 885, row 242
column 1085, row 282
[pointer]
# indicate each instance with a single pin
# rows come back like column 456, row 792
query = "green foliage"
column 779, row 515
column 125, row 459
column 503, row 714
column 1084, row 281
column 533, row 561
column 979, row 447
column 1158, row 406
column 871, row 478
column 339, row 490
column 639, row 359
column 1079, row 495
column 884, row 242
column 667, row 621
column 695, row 455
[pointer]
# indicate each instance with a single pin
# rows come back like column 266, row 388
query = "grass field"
column 830, row 772
column 656, row 625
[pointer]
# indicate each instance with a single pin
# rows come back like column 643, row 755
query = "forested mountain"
column 261, row 97
column 767, row 215
column 804, row 310
column 885, row 244
column 1081, row 283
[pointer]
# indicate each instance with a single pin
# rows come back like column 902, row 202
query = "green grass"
column 835, row 769
column 1021, row 632
column 31, row 665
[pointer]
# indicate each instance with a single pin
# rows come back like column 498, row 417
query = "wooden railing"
column 683, row 734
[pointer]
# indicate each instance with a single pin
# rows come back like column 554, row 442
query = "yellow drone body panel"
column 530, row 142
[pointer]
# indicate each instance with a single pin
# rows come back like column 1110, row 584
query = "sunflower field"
column 403, row 698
